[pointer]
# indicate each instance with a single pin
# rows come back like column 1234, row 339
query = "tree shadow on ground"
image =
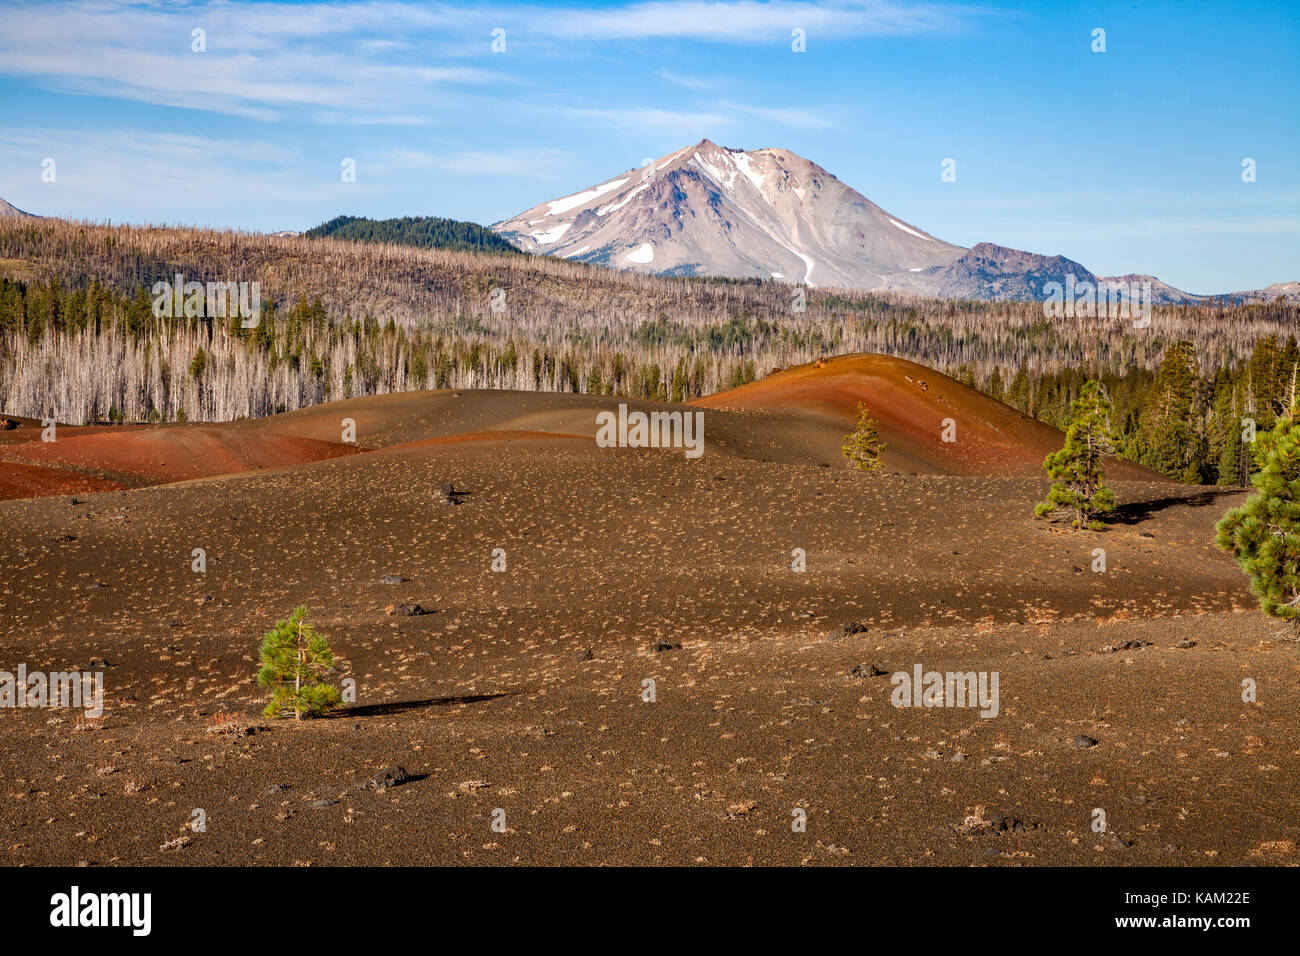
column 1135, row 512
column 401, row 706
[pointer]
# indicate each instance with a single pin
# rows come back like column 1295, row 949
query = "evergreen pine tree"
column 199, row 364
column 295, row 658
column 863, row 446
column 1264, row 533
column 1018, row 393
column 1265, row 382
column 1166, row 437
column 995, row 384
column 1078, row 490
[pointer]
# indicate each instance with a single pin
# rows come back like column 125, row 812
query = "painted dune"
column 911, row 404
column 796, row 417
column 111, row 457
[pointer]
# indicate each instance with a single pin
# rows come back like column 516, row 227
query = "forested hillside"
column 423, row 232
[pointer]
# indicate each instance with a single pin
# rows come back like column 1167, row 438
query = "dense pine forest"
column 423, row 232
column 80, row 341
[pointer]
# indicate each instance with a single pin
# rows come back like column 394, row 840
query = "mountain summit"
column 710, row 210
column 771, row 214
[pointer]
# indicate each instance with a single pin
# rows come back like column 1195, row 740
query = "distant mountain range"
column 771, row 214
column 707, row 210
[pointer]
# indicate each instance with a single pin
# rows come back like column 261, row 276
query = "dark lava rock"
column 99, row 662
column 586, row 654
column 867, row 670
column 390, row 777
column 409, row 610
column 847, row 630
column 1184, row 643
column 665, row 645
column 1126, row 646
column 1145, row 534
column 1083, row 741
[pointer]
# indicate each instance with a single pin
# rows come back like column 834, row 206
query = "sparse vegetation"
column 863, row 446
column 295, row 659
column 223, row 723
column 1079, row 493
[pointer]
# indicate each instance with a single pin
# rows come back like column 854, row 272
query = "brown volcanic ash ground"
column 523, row 691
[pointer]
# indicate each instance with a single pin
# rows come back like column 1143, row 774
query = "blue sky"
column 1127, row 160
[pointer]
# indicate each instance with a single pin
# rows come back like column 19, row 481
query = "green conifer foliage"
column 1264, row 533
column 1166, row 438
column 1078, row 492
column 295, row 659
column 863, row 446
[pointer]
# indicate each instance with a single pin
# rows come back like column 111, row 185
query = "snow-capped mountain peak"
column 710, row 210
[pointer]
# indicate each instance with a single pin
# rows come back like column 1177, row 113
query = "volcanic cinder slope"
column 90, row 458
column 912, row 406
column 805, row 414
column 524, row 689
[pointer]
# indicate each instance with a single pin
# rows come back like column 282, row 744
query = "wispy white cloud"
column 535, row 163
column 692, row 83
column 685, row 122
column 704, row 121
column 748, row 21
column 99, row 173
column 799, row 116
column 263, row 61
column 378, row 60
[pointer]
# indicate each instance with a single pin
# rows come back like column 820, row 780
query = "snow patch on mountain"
column 616, row 206
column 581, row 199
column 742, row 163
column 642, row 254
column 726, row 182
column 909, row 231
column 551, row 235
